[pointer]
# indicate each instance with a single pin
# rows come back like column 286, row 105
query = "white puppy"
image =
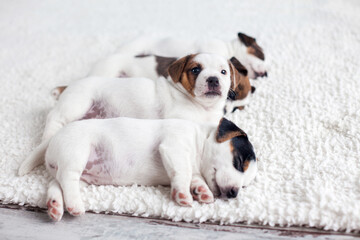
column 244, row 48
column 197, row 160
column 198, row 91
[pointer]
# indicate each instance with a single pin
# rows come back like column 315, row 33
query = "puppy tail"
column 56, row 92
column 34, row 159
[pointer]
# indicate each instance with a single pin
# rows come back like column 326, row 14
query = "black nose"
column 213, row 82
column 232, row 192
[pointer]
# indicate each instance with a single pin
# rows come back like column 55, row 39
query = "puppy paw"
column 55, row 209
column 183, row 198
column 76, row 208
column 257, row 69
column 260, row 74
column 201, row 192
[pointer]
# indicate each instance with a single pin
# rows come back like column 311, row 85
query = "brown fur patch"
column 240, row 108
column 246, row 165
column 56, row 92
column 252, row 47
column 240, row 83
column 163, row 64
column 227, row 131
column 180, row 71
column 61, row 89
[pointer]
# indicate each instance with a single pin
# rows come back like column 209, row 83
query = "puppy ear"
column 237, row 64
column 177, row 68
column 227, row 130
column 253, row 47
column 245, row 39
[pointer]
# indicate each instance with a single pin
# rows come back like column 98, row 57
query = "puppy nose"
column 232, row 192
column 213, row 81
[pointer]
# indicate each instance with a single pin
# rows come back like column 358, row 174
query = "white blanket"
column 303, row 119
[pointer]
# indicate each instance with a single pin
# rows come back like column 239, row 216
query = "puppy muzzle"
column 213, row 87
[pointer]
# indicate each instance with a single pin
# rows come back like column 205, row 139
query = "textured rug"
column 304, row 119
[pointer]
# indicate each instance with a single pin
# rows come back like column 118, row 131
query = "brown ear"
column 177, row 68
column 253, row 47
column 240, row 83
column 228, row 130
column 237, row 64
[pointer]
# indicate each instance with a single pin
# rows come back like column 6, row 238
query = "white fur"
column 172, row 152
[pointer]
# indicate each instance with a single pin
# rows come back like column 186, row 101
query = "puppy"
column 153, row 67
column 198, row 91
column 197, row 160
column 244, row 48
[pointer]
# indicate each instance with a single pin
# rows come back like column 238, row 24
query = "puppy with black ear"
column 198, row 161
column 243, row 159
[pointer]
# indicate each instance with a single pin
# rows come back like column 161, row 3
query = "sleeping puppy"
column 198, row 161
column 153, row 67
column 198, row 91
column 244, row 48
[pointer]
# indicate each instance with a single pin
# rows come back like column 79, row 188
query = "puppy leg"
column 200, row 190
column 54, row 201
column 70, row 184
column 67, row 110
column 180, row 193
column 179, row 171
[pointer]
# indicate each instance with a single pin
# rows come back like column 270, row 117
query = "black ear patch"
column 237, row 64
column 228, row 130
column 243, row 152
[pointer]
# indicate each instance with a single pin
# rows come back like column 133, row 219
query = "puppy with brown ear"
column 196, row 90
column 153, row 67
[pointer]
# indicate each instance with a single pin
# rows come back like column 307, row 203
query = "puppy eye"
column 196, row 70
column 223, row 72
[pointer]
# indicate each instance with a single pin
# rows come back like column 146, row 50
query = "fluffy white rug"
column 303, row 121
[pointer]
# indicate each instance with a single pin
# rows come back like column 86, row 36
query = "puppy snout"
column 232, row 192
column 213, row 82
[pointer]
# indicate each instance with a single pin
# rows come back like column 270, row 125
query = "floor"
column 35, row 224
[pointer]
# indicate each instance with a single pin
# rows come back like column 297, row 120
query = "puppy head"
column 230, row 160
column 250, row 54
column 206, row 77
column 241, row 89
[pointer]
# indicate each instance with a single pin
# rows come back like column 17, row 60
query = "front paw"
column 181, row 197
column 201, row 192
